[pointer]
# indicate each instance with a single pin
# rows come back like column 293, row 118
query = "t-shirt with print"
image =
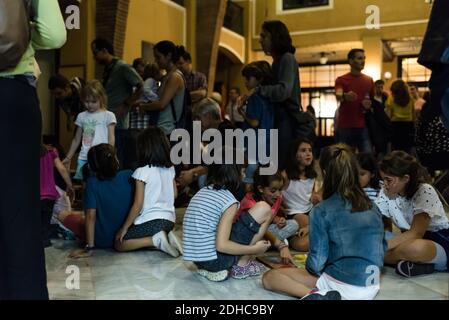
column 248, row 202
column 47, row 180
column 201, row 223
column 95, row 129
column 112, row 199
column 159, row 196
column 402, row 210
column 351, row 114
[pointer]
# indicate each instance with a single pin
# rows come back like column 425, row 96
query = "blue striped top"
column 201, row 223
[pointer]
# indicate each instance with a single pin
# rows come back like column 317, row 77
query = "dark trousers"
column 22, row 259
column 286, row 134
column 403, row 135
column 46, row 213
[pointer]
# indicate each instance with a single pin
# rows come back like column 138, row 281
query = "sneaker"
column 253, row 268
column 214, row 276
column 161, row 242
column 175, row 242
column 410, row 269
column 330, row 295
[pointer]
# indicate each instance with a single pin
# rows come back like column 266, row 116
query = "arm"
column 66, row 176
column 281, row 246
column 111, row 134
column 254, row 123
column 319, row 243
column 134, row 211
column 225, row 245
column 48, row 30
column 172, row 86
column 198, row 95
column 74, row 146
column 175, row 189
column 91, row 215
column 187, row 177
column 286, row 79
column 419, row 227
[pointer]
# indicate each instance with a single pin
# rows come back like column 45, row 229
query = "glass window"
column 412, row 71
column 301, row 4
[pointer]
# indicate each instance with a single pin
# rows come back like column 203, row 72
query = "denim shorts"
column 442, row 238
column 148, row 229
column 242, row 232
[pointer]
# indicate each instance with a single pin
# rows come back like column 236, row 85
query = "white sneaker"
column 161, row 242
column 175, row 242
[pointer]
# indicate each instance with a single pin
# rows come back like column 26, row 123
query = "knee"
column 267, row 279
column 261, row 212
column 412, row 251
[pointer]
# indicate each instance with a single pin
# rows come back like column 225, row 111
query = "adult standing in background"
column 285, row 93
column 231, row 112
column 123, row 86
column 354, row 91
column 196, row 82
column 22, row 259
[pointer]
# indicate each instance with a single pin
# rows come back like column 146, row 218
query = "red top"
column 47, row 179
column 248, row 202
column 350, row 114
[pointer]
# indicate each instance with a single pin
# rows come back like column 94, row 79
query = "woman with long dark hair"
column 400, row 108
column 285, row 93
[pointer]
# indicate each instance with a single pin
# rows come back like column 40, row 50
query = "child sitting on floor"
column 346, row 239
column 211, row 240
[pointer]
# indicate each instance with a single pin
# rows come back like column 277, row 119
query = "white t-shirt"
column 298, row 196
column 95, row 129
column 159, row 196
column 402, row 210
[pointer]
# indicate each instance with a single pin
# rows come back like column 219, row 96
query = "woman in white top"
column 152, row 215
column 414, row 207
column 299, row 190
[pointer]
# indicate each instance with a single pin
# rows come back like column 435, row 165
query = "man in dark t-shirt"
column 355, row 92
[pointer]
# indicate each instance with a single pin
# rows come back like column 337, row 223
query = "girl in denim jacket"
column 346, row 239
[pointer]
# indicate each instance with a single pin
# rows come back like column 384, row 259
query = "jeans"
column 22, row 259
column 355, row 137
column 290, row 229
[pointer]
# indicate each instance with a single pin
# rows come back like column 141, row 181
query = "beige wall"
column 346, row 21
column 153, row 21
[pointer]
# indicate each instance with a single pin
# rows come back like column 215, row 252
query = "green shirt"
column 48, row 32
column 119, row 87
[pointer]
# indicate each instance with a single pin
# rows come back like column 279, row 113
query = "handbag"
column 15, row 33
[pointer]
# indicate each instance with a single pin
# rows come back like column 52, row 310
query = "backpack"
column 185, row 120
column 15, row 31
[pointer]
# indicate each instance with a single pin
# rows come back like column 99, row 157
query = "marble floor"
column 153, row 275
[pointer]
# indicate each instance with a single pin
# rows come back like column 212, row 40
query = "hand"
column 70, row 193
column 121, row 234
column 351, row 96
column 286, row 256
column 316, row 198
column 185, row 178
column 80, row 253
column 241, row 110
column 303, row 232
column 241, row 101
column 121, row 111
column 367, row 103
column 261, row 246
column 281, row 222
column 67, row 162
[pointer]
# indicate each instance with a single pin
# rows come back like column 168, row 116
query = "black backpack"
column 185, row 119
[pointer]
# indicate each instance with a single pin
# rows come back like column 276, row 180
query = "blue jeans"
column 355, row 137
column 242, row 232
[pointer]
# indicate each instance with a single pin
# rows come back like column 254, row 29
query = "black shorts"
column 148, row 229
